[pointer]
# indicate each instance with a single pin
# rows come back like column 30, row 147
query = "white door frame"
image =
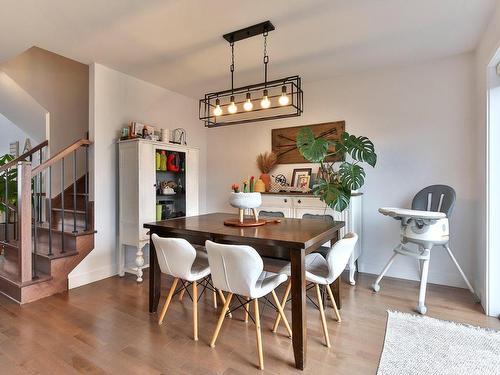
column 492, row 276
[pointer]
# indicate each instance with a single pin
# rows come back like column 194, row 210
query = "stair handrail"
column 60, row 155
column 24, row 156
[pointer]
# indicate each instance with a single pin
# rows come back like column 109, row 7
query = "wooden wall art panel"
column 284, row 140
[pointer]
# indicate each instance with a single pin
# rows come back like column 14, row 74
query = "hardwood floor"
column 104, row 328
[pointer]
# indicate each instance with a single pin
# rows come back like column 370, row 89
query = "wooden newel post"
column 24, row 219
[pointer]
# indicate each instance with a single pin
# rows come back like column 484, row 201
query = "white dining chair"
column 323, row 270
column 239, row 270
column 179, row 259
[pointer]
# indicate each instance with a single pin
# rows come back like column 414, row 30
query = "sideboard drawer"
column 276, row 201
column 313, row 202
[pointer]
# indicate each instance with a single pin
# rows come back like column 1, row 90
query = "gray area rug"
column 422, row 345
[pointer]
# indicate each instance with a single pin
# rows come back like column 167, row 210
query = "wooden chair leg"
column 283, row 303
column 246, row 307
column 259, row 336
column 281, row 312
column 214, row 295
column 195, row 310
column 167, row 302
column 223, row 299
column 221, row 319
column 334, row 304
column 322, row 314
column 181, row 294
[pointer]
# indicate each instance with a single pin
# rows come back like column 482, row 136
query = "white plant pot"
column 245, row 200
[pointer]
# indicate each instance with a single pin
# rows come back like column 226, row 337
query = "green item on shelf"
column 158, row 161
column 158, row 212
column 163, row 158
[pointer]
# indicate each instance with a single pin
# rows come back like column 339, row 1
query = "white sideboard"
column 296, row 206
column 138, row 194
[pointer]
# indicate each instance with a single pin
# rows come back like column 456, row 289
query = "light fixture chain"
column 266, row 56
column 232, row 67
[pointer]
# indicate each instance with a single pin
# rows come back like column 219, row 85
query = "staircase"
column 45, row 236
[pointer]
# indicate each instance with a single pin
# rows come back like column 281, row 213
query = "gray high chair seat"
column 425, row 225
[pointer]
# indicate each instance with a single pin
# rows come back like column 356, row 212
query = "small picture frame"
column 303, row 182
column 297, row 177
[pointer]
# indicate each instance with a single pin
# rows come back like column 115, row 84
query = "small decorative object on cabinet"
column 298, row 173
column 266, row 163
column 141, row 193
column 293, row 205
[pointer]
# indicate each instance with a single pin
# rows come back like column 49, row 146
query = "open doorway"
column 493, row 185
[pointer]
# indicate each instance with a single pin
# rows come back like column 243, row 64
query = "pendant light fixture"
column 279, row 98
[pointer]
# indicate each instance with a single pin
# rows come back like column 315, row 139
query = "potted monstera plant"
column 337, row 176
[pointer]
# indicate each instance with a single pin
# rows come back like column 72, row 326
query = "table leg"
column 299, row 325
column 154, row 278
column 336, row 291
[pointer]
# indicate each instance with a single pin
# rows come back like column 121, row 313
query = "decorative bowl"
column 245, row 200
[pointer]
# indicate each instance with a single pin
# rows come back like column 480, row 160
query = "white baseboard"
column 74, row 281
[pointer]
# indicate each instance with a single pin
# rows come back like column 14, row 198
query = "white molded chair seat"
column 200, row 267
column 323, row 271
column 266, row 283
column 238, row 269
column 316, row 269
column 178, row 258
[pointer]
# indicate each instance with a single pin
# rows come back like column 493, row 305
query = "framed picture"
column 303, row 182
column 297, row 177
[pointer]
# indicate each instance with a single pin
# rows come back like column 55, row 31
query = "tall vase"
column 267, row 180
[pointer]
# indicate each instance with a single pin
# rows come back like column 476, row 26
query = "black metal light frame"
column 292, row 84
column 294, row 108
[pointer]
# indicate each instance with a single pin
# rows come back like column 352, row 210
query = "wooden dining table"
column 288, row 239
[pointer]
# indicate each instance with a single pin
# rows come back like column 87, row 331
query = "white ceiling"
column 178, row 44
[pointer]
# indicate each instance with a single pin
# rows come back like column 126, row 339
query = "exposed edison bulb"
column 232, row 107
column 265, row 102
column 283, row 100
column 247, row 106
column 217, row 109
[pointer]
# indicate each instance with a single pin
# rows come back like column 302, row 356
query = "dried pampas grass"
column 266, row 162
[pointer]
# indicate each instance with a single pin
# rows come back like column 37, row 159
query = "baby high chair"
column 425, row 225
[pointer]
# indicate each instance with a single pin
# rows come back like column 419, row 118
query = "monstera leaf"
column 311, row 148
column 352, row 176
column 333, row 194
column 360, row 148
column 334, row 186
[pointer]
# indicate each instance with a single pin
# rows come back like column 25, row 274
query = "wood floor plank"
column 105, row 328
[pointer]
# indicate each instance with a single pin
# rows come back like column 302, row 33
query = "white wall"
column 421, row 120
column 488, row 277
column 22, row 109
column 115, row 100
column 10, row 132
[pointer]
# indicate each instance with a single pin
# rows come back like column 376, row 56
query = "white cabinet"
column 138, row 179
column 293, row 206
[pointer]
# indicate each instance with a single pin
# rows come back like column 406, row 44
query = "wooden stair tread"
column 42, row 249
column 68, row 210
column 68, row 229
column 15, row 279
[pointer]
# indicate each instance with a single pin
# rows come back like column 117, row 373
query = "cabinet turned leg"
column 139, row 262
column 352, row 271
